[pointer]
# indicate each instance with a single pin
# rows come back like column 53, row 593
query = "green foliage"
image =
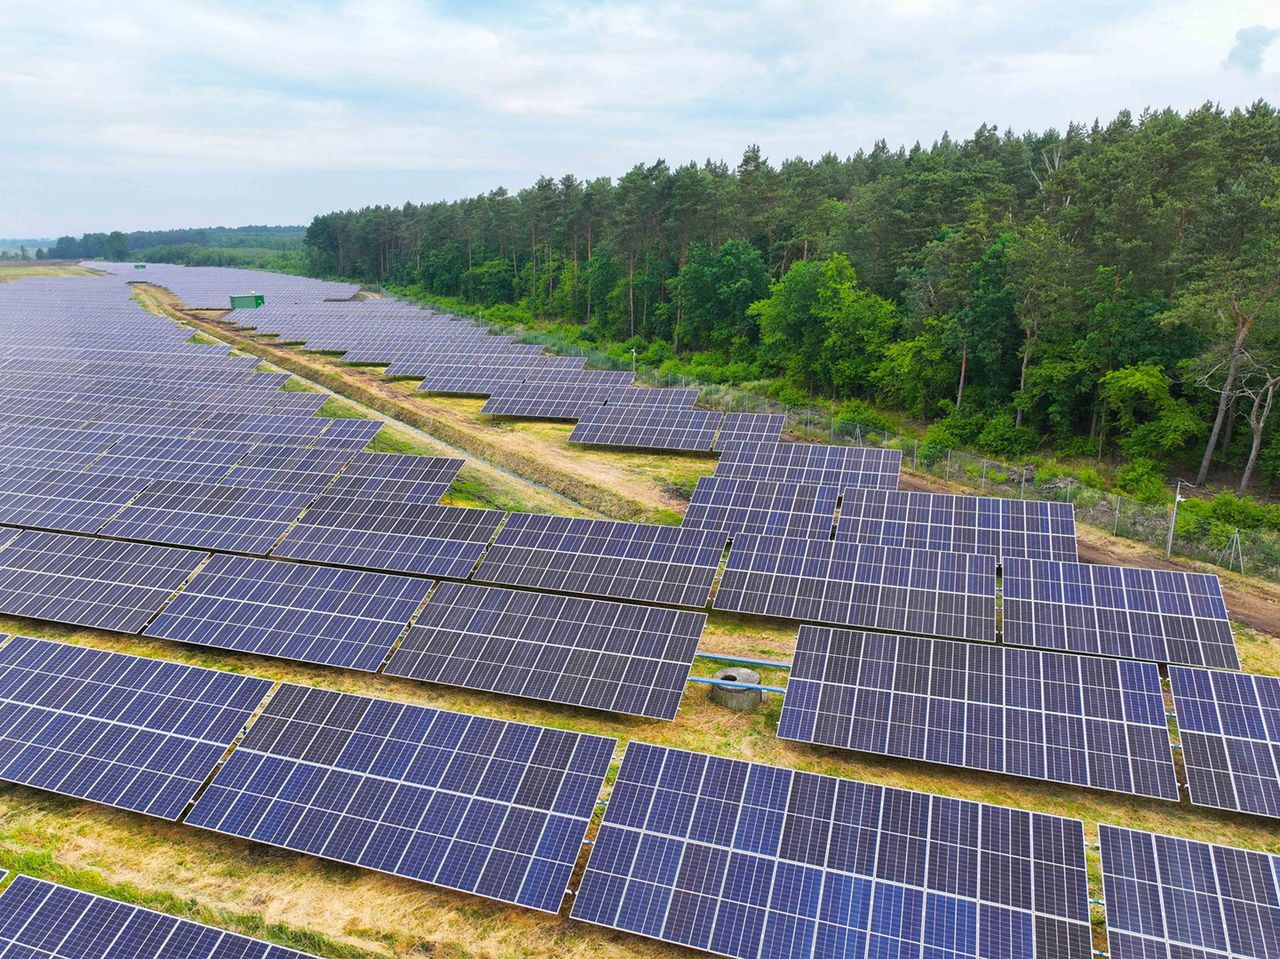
column 1150, row 421
column 1144, row 480
column 1002, row 437
column 852, row 415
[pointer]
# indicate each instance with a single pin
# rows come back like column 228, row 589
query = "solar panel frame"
column 648, row 427
column 1173, row 898
column 68, row 502
column 312, row 614
column 762, row 507
column 1165, row 616
column 748, row 860
column 399, row 477
column 814, row 463
column 491, row 807
column 41, row 919
column 593, row 653
column 750, row 428
column 1229, row 727
column 951, row 595
column 125, row 731
column 1080, row 720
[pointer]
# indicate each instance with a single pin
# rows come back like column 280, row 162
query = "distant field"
column 16, row 271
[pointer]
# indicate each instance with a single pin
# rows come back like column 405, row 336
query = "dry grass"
column 17, row 271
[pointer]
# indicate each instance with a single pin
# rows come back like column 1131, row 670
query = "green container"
column 247, row 301
column 139, row 266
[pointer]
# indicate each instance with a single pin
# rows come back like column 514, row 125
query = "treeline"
column 181, row 246
column 1108, row 289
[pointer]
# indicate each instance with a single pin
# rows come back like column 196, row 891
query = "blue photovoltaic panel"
column 400, row 477
column 210, row 516
column 761, row 862
column 662, row 564
column 812, row 463
column 314, row 614
column 90, row 582
column 298, row 469
column 157, row 457
column 762, row 506
column 40, row 920
column 399, row 537
column 562, row 649
column 140, row 734
column 1171, row 898
column 1072, row 719
column 845, row 584
column 481, row 805
column 648, row 427
column 1005, row 528
column 1156, row 614
column 349, row 432
column 58, row 500
column 1229, row 724
column 648, row 396
column 751, row 428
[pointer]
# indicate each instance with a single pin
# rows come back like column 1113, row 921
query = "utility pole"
column 1173, row 519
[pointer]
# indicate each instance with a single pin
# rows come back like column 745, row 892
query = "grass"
column 20, row 270
column 335, row 408
column 295, row 385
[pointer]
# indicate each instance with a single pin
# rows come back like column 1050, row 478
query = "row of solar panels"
column 741, row 859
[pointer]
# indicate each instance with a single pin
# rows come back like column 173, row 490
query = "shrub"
column 1001, row 437
column 1144, row 480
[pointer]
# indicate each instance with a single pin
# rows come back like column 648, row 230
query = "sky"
column 157, row 115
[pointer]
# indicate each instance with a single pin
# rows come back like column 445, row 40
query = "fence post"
column 915, row 456
column 1115, row 530
column 984, row 476
column 948, row 462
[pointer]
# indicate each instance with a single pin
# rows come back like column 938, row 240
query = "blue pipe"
column 739, row 659
column 729, row 685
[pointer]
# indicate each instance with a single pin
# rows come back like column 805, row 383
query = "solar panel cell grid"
column 845, row 584
column 748, row 860
column 762, row 506
column 750, row 427
column 40, row 920
column 1054, row 716
column 90, row 582
column 298, row 469
column 140, row 734
column 563, row 649
column 1171, row 898
column 812, row 463
column 1159, row 615
column 315, row 614
column 663, row 564
column 1229, row 724
column 648, row 427
column 397, row 477
column 480, row 805
column 64, row 501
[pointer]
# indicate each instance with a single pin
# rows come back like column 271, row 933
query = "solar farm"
column 269, row 688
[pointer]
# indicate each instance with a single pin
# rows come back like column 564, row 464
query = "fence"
column 1256, row 552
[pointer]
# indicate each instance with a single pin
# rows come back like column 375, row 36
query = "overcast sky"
column 174, row 113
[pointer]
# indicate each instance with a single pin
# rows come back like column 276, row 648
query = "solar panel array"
column 1170, row 898
column 748, row 860
column 1155, row 614
column 59, row 500
column 314, row 614
column 297, row 469
column 1071, row 719
column 398, row 477
column 762, row 506
column 648, row 427
column 1005, row 528
column 126, row 731
column 1229, row 724
column 671, row 565
column 41, row 920
column 845, row 584
column 209, row 516
column 480, row 805
column 750, row 428
column 840, row 466
column 561, row 649
column 90, row 582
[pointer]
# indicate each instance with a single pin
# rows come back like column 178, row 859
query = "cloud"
column 277, row 109
column 1251, row 44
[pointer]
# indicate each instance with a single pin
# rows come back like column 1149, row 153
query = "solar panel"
column 480, row 805
column 158, row 457
column 298, row 469
column 1229, row 725
column 662, row 564
column 748, row 860
column 1156, row 614
column 139, row 734
column 1056, row 716
column 349, row 432
column 650, row 396
column 400, row 537
column 41, row 920
column 813, row 463
column 314, row 614
column 1005, row 528
column 69, row 502
column 227, row 518
column 90, row 582
column 751, row 428
column 648, row 427
column 845, row 584
column 1171, row 898
column 561, row 649
column 399, row 477
column 762, row 506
